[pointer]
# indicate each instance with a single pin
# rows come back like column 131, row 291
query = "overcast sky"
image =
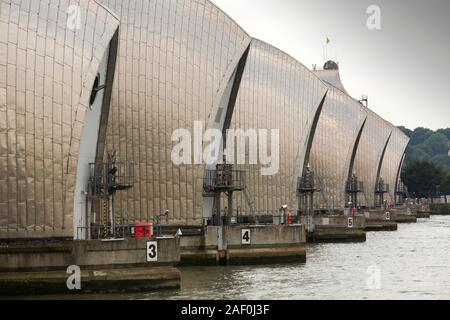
column 404, row 68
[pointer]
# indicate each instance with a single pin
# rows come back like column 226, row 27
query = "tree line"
column 426, row 170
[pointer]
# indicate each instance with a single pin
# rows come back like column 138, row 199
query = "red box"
column 143, row 229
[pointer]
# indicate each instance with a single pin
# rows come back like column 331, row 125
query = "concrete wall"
column 207, row 240
column 87, row 254
column 261, row 236
column 359, row 221
column 375, row 215
column 265, row 236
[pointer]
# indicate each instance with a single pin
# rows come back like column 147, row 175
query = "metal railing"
column 99, row 232
column 382, row 188
column 264, row 217
column 118, row 231
column 218, row 180
column 106, row 177
column 352, row 186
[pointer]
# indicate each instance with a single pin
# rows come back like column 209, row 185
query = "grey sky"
column 404, row 68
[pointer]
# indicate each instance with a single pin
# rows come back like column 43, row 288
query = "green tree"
column 445, row 132
column 415, row 153
column 442, row 160
column 425, row 144
column 422, row 177
column 435, row 144
column 419, row 135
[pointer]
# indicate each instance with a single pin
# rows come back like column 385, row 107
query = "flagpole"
column 323, row 53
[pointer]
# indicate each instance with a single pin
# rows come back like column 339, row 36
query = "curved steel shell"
column 178, row 61
column 334, row 141
column 47, row 70
column 392, row 162
column 369, row 155
column 175, row 60
column 332, row 77
column 276, row 92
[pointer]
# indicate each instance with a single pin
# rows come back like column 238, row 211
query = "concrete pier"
column 263, row 244
column 421, row 211
column 397, row 215
column 337, row 229
column 381, row 226
column 337, row 235
column 422, row 214
column 403, row 215
column 40, row 266
column 377, row 220
column 98, row 281
column 45, row 255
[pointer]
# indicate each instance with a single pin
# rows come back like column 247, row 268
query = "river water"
column 411, row 263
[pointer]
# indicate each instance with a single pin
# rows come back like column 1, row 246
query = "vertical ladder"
column 327, row 204
column 251, row 204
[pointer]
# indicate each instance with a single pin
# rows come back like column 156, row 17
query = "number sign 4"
column 246, row 236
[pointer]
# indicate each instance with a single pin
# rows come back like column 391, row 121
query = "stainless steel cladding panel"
column 49, row 57
column 335, row 137
column 368, row 159
column 332, row 77
column 175, row 59
column 392, row 161
column 276, row 93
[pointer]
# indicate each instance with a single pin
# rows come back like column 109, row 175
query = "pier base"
column 423, row 214
column 266, row 255
column 403, row 216
column 376, row 220
column 99, row 281
column 335, row 228
column 199, row 257
column 397, row 215
column 381, row 226
column 225, row 245
column 41, row 266
column 337, row 235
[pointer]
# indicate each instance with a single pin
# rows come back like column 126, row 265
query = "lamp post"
column 283, row 209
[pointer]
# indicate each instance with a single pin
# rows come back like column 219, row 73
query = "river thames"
column 411, row 263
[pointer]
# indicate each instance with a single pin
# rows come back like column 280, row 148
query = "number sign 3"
column 152, row 251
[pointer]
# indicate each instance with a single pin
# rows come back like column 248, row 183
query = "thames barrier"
column 141, row 137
